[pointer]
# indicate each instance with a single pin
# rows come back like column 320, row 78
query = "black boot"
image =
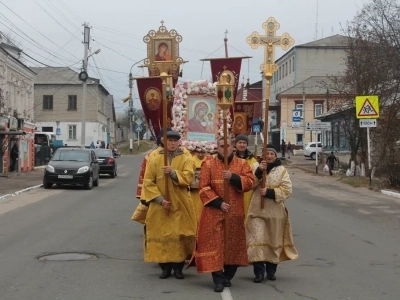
column 219, row 288
column 166, row 270
column 258, row 279
column 178, row 267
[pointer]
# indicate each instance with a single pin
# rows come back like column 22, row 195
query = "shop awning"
column 12, row 132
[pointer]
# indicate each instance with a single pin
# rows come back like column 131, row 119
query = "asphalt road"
column 348, row 240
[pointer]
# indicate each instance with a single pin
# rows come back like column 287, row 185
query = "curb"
column 21, row 191
column 390, row 193
column 39, row 168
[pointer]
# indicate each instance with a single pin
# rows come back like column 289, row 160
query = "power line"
column 55, row 20
column 33, row 27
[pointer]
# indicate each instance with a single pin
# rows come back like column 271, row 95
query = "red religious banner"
column 243, row 116
column 231, row 64
column 150, row 95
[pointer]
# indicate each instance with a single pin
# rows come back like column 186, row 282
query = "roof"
column 331, row 42
column 334, row 41
column 4, row 50
column 343, row 107
column 314, row 85
column 56, row 75
column 7, row 46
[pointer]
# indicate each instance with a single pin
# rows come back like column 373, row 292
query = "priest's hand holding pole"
column 166, row 204
column 225, row 207
column 167, row 170
column 226, row 174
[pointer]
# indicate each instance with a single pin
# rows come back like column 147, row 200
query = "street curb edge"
column 21, row 191
column 390, row 193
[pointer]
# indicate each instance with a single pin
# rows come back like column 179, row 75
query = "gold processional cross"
column 270, row 40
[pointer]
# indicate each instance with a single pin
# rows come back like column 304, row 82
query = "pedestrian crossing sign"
column 367, row 107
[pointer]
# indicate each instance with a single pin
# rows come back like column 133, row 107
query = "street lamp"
column 131, row 117
column 83, row 76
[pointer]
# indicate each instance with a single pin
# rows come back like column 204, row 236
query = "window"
column 293, row 65
column 290, row 66
column 48, row 102
column 286, row 72
column 318, row 109
column 47, row 129
column 299, row 139
column 72, row 132
column 300, row 106
column 279, row 72
column 72, row 102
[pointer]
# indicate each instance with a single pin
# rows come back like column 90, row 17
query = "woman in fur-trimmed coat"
column 268, row 231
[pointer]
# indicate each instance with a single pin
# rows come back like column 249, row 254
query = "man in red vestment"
column 219, row 252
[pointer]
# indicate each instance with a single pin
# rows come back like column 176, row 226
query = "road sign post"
column 256, row 129
column 367, row 111
column 318, row 126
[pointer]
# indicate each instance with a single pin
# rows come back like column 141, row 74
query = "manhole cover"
column 68, row 256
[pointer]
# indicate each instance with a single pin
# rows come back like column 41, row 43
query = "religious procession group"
column 220, row 223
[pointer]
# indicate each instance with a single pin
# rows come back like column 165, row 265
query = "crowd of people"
column 215, row 217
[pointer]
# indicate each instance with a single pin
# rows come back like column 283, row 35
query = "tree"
column 124, row 118
column 373, row 56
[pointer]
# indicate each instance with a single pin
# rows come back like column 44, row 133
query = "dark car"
column 74, row 166
column 107, row 162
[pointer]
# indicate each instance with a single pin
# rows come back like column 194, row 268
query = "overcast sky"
column 51, row 31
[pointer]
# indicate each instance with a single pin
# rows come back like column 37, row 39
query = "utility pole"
column 131, row 116
column 86, row 39
column 304, row 117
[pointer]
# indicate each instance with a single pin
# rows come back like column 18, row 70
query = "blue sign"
column 256, row 128
column 58, row 131
column 296, row 115
column 139, row 128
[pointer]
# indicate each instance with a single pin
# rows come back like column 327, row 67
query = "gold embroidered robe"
column 169, row 236
column 268, row 231
column 210, row 253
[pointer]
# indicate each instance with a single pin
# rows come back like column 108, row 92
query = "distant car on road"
column 311, row 149
column 74, row 166
column 107, row 162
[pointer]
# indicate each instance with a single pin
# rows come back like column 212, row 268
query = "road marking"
column 226, row 294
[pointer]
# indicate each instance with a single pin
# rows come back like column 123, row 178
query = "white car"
column 310, row 150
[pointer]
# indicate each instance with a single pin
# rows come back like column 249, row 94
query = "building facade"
column 58, row 107
column 16, row 111
column 324, row 57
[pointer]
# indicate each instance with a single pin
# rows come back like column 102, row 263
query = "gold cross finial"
column 269, row 41
column 224, row 67
column 226, row 33
column 162, row 23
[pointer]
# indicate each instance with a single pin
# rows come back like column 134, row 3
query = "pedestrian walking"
column 330, row 161
column 14, row 154
column 218, row 252
column 283, row 148
column 170, row 225
column 289, row 148
column 269, row 235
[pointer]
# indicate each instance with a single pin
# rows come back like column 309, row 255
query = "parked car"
column 310, row 150
column 74, row 166
column 107, row 162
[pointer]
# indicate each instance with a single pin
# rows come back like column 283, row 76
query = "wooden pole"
column 165, row 125
column 268, row 76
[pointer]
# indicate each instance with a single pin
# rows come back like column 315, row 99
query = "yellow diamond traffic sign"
column 367, row 107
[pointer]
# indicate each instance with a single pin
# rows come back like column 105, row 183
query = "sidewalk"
column 305, row 164
column 11, row 183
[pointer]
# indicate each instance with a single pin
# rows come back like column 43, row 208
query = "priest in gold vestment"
column 268, row 230
column 170, row 225
column 219, row 252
